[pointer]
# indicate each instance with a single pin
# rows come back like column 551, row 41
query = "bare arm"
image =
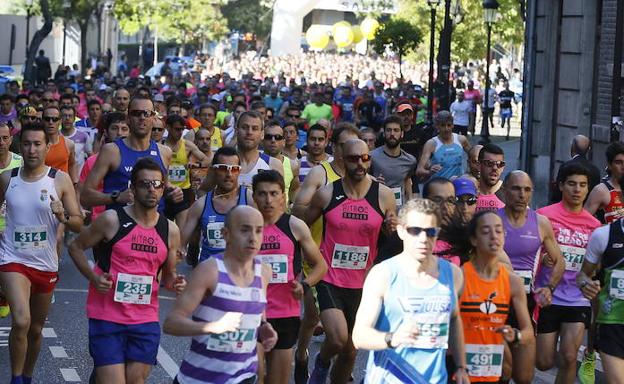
column 73, row 167
column 456, row 331
column 421, row 170
column 276, row 165
column 365, row 336
column 310, row 251
column 169, row 269
column 388, row 205
column 64, row 185
column 107, row 160
column 550, row 245
column 193, row 150
column 465, row 144
column 192, row 221
column 519, row 302
column 319, row 202
column 294, row 184
column 598, row 197
column 312, row 182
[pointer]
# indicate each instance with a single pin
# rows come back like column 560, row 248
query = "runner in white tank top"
column 38, row 200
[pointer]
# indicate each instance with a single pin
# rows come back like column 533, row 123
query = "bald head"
column 243, row 214
column 474, row 151
column 517, row 176
column 355, row 147
column 580, row 145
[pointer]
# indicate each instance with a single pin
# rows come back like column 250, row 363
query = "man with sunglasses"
column 61, row 155
column 114, row 165
column 39, row 198
column 354, row 209
column 526, row 233
column 570, row 313
column 209, row 212
column 466, row 195
column 492, row 164
column 409, row 316
column 135, row 250
column 273, row 145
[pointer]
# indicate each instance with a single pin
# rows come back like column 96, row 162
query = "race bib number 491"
column 484, row 360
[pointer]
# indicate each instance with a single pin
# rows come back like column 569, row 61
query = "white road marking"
column 70, row 374
column 58, row 352
column 48, row 333
column 167, row 362
column 4, row 333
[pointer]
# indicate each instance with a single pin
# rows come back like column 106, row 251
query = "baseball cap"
column 159, row 98
column 404, row 107
column 464, row 186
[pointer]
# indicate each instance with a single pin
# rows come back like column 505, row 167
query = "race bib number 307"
column 350, row 256
column 239, row 341
column 133, row 289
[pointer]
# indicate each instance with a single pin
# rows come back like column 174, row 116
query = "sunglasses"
column 469, row 201
column 51, row 119
column 145, row 184
column 31, row 118
column 157, row 129
column 492, row 164
column 270, row 137
column 430, row 232
column 440, row 200
column 141, row 113
column 293, row 116
column 355, row 158
column 227, row 168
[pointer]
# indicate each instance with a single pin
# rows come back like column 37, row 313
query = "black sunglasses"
column 51, row 119
column 270, row 137
column 141, row 113
column 430, row 232
column 469, row 201
column 355, row 158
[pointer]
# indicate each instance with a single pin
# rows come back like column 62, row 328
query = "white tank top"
column 30, row 235
column 262, row 164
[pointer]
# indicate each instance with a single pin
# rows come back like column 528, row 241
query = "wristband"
column 517, row 336
column 388, row 339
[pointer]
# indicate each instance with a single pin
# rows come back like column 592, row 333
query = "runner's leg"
column 571, row 339
column 341, row 371
column 613, row 368
column 137, row 373
column 547, row 345
column 279, row 365
column 114, row 373
column 336, row 333
column 523, row 363
column 308, row 324
column 39, row 307
column 17, row 290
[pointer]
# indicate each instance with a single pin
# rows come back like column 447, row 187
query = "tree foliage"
column 469, row 36
column 252, row 16
column 399, row 35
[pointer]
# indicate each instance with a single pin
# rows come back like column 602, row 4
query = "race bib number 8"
column 30, row 237
column 573, row 257
column 616, row 285
column 239, row 341
column 279, row 267
column 484, row 360
column 133, row 289
column 350, row 256
column 215, row 238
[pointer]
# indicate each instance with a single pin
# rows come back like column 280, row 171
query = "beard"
column 392, row 143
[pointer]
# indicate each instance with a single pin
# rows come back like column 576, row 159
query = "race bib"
column 133, row 289
column 177, row 173
column 484, row 360
column 527, row 279
column 279, row 267
column 433, row 329
column 239, row 341
column 398, row 196
column 30, row 237
column 350, row 256
column 214, row 235
column 573, row 257
column 616, row 285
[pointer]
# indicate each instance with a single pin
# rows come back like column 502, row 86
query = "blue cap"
column 464, row 186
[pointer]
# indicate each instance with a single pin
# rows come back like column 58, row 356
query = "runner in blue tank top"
column 223, row 306
column 408, row 316
column 209, row 212
column 114, row 164
column 442, row 155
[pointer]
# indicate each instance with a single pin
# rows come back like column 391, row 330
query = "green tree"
column 37, row 39
column 249, row 16
column 400, row 35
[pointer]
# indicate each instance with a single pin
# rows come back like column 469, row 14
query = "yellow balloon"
column 343, row 36
column 357, row 34
column 338, row 25
column 317, row 37
column 369, row 28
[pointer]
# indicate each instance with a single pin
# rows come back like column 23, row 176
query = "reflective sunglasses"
column 227, row 168
column 492, row 164
column 355, row 158
column 430, row 232
column 472, row 200
column 51, row 119
column 145, row 184
column 141, row 113
column 270, row 137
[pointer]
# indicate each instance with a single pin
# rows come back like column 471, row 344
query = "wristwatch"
column 114, row 196
column 517, row 336
column 388, row 339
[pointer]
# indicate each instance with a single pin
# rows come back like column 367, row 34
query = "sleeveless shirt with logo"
column 178, row 169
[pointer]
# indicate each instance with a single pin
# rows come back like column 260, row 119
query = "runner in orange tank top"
column 61, row 154
column 489, row 290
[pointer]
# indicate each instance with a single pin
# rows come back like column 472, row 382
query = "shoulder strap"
column 338, row 196
column 372, row 196
column 103, row 250
column 242, row 195
column 609, row 186
column 265, row 157
column 162, row 228
column 52, row 172
column 15, row 172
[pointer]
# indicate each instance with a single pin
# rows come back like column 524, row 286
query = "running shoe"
column 301, row 370
column 320, row 373
column 4, row 308
column 587, row 369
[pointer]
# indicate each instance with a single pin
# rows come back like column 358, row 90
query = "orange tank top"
column 484, row 306
column 58, row 156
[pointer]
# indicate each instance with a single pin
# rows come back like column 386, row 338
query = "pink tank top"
column 441, row 248
column 489, row 203
column 281, row 252
column 133, row 257
column 350, row 236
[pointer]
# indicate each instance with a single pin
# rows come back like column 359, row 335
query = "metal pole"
column 27, row 29
column 616, row 91
column 485, row 132
column 64, row 39
column 527, row 86
column 431, row 53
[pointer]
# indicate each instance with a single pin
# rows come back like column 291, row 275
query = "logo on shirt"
column 488, row 307
column 153, row 153
column 338, row 198
column 44, row 195
column 126, row 225
column 425, row 304
column 617, row 245
column 270, row 242
column 355, row 212
column 142, row 243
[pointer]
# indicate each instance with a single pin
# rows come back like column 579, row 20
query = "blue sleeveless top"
column 211, row 223
column 449, row 156
column 119, row 179
column 429, row 307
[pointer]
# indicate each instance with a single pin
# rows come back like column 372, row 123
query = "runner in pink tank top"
column 285, row 240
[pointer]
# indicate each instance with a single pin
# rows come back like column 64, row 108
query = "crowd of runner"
column 303, row 209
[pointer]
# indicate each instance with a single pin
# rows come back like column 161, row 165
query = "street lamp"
column 29, row 5
column 433, row 4
column 490, row 13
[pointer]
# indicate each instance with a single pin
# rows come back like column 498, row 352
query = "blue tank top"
column 449, row 156
column 119, row 179
column 211, row 223
column 430, row 308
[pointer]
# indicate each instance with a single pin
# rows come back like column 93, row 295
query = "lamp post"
column 29, row 5
column 433, row 4
column 490, row 12
column 66, row 8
